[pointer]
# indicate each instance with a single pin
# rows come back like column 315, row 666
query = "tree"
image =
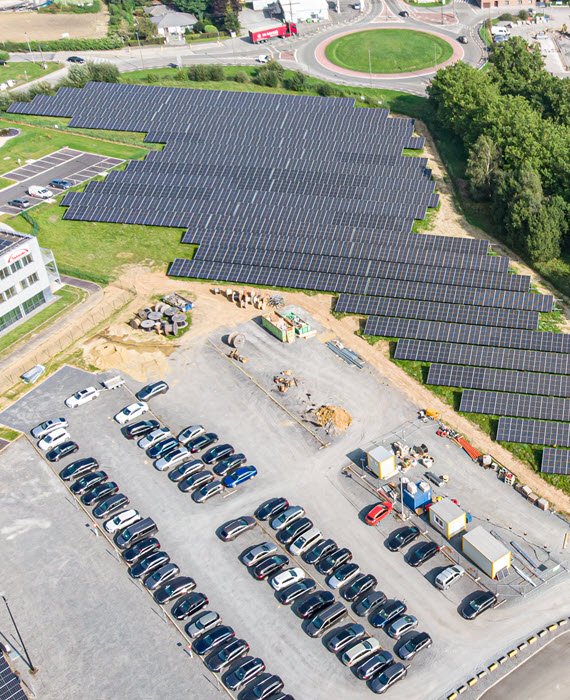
column 484, row 160
column 194, row 7
column 231, row 20
column 145, row 28
column 219, row 8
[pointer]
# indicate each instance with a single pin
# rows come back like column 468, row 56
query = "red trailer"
column 263, row 34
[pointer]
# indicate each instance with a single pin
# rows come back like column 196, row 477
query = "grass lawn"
column 8, row 434
column 4, row 182
column 24, row 71
column 391, row 51
column 68, row 298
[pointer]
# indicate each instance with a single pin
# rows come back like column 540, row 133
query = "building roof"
column 10, row 238
column 157, row 10
column 174, row 19
column 486, row 544
column 447, row 510
column 380, row 453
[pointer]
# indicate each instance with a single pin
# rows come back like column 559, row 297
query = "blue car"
column 238, row 476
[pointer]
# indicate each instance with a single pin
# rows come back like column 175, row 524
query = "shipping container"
column 490, row 555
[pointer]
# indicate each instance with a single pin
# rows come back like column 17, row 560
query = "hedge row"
column 103, row 44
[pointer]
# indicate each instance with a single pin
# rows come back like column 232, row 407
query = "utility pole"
column 370, row 68
column 29, row 47
column 233, row 36
column 30, row 664
column 140, row 49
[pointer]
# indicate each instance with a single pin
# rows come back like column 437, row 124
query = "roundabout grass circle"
column 391, row 50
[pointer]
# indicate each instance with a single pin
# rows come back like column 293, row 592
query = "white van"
column 39, row 192
column 500, row 31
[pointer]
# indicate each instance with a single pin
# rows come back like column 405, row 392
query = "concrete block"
column 513, row 652
column 532, row 498
column 526, row 490
column 553, row 627
column 472, row 681
column 481, row 674
column 493, row 667
column 521, row 487
column 543, row 504
column 503, row 660
column 533, row 640
column 563, row 622
column 462, row 689
column 542, row 633
column 452, row 696
column 522, row 646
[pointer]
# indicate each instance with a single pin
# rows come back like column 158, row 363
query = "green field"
column 391, row 51
column 24, row 71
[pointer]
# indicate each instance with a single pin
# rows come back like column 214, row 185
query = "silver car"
column 154, row 437
column 43, row 429
column 287, row 517
column 160, row 576
column 190, row 433
column 402, row 625
column 262, row 550
column 172, row 459
column 207, row 491
column 204, row 622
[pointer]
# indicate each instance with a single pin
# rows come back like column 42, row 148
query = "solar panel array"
column 534, row 432
column 555, row 461
column 311, row 193
column 10, row 688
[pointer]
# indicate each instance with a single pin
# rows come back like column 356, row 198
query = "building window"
column 26, row 260
column 16, row 265
column 28, row 281
column 10, row 318
column 7, row 293
column 33, row 302
column 5, row 271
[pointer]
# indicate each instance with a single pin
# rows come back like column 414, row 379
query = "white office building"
column 28, row 276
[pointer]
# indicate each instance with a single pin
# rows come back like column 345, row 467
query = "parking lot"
column 65, row 164
column 206, row 388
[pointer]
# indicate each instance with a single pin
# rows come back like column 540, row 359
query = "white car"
column 263, row 59
column 257, row 553
column 48, row 426
column 172, row 459
column 360, row 651
column 39, row 192
column 135, row 410
column 449, row 576
column 204, row 622
column 82, row 397
column 154, row 437
column 286, row 578
column 124, row 519
column 56, row 437
column 190, row 433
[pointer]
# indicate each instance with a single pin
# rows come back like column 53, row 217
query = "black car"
column 229, row 464
column 361, row 584
column 141, row 549
column 368, row 603
column 422, row 552
column 346, row 635
column 174, row 588
column 329, row 564
column 321, row 550
column 389, row 676
column 60, row 184
column 315, row 603
column 387, row 613
column 264, row 688
column 64, row 450
column 162, row 448
column 210, row 640
column 463, row 39
column 404, row 13
column 75, row 59
column 188, row 605
column 201, row 442
column 271, row 508
column 108, row 488
column 294, row 530
column 420, row 640
column 218, row 452
column 402, row 538
column 295, row 590
column 110, row 505
column 79, row 468
column 372, row 665
column 150, row 563
column 195, row 481
column 151, row 390
column 270, row 565
column 140, row 429
column 185, row 470
column 480, row 602
column 88, row 482
column 248, row 669
column 226, row 654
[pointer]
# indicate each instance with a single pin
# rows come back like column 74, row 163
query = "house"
column 169, row 22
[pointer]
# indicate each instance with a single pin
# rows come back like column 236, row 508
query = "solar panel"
column 555, row 461
column 10, row 688
column 533, row 432
column 520, row 405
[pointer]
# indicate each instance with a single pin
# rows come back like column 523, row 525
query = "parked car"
column 81, row 397
column 481, row 601
column 388, row 612
column 244, row 672
column 321, row 550
column 121, row 520
column 271, row 508
column 294, row 530
column 108, row 488
column 131, row 412
column 286, row 578
column 360, row 585
column 344, row 574
column 227, row 465
column 109, row 505
column 420, row 640
column 79, row 468
column 287, row 516
column 134, row 533
column 239, row 476
column 172, row 589
column 371, row 666
column 389, row 676
column 20, row 203
column 422, row 552
column 369, row 603
column 269, row 565
column 226, row 654
column 236, row 527
column 160, row 576
column 188, row 605
column 403, row 537
column 75, row 59
column 162, row 448
column 448, row 577
column 61, row 451
column 401, row 626
column 205, row 621
column 325, row 619
column 305, row 541
column 378, row 513
column 140, row 429
column 296, row 590
column 144, row 548
column 195, row 481
column 190, row 433
column 51, row 440
column 327, row 565
column 347, row 635
column 47, row 426
column 216, row 453
column 201, row 442
column 261, row 550
column 87, row 482
column 153, row 437
column 172, row 459
column 148, row 564
column 210, row 640
column 186, row 469
column 203, row 494
column 264, row 688
column 151, row 390
column 39, row 192
column 60, row 184
column 315, row 603
column 359, row 651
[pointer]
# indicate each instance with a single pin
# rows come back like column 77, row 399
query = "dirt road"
column 39, row 27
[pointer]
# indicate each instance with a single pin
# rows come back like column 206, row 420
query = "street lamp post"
column 29, row 47
column 370, row 68
column 140, row 49
column 32, row 668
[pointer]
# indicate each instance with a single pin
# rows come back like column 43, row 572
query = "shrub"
column 181, row 75
column 296, row 82
column 199, row 27
column 506, row 17
column 104, row 44
column 241, row 77
column 216, row 72
column 4, row 55
column 269, row 78
column 199, row 73
column 523, row 14
column 151, row 78
column 325, row 90
column 210, row 28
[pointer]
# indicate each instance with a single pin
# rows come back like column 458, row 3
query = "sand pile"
column 340, row 419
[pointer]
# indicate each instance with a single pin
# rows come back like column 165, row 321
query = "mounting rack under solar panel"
column 555, row 461
column 533, row 432
column 520, row 405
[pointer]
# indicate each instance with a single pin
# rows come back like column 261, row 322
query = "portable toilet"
column 381, row 462
column 490, row 555
column 447, row 517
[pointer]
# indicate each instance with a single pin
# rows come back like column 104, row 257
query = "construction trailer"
column 286, row 326
column 381, row 462
column 417, row 495
column 447, row 517
column 484, row 550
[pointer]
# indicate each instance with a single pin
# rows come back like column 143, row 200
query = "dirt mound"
column 340, row 418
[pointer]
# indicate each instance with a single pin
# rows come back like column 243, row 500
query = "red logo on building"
column 17, row 254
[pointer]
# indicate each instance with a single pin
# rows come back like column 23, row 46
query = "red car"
column 378, row 512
